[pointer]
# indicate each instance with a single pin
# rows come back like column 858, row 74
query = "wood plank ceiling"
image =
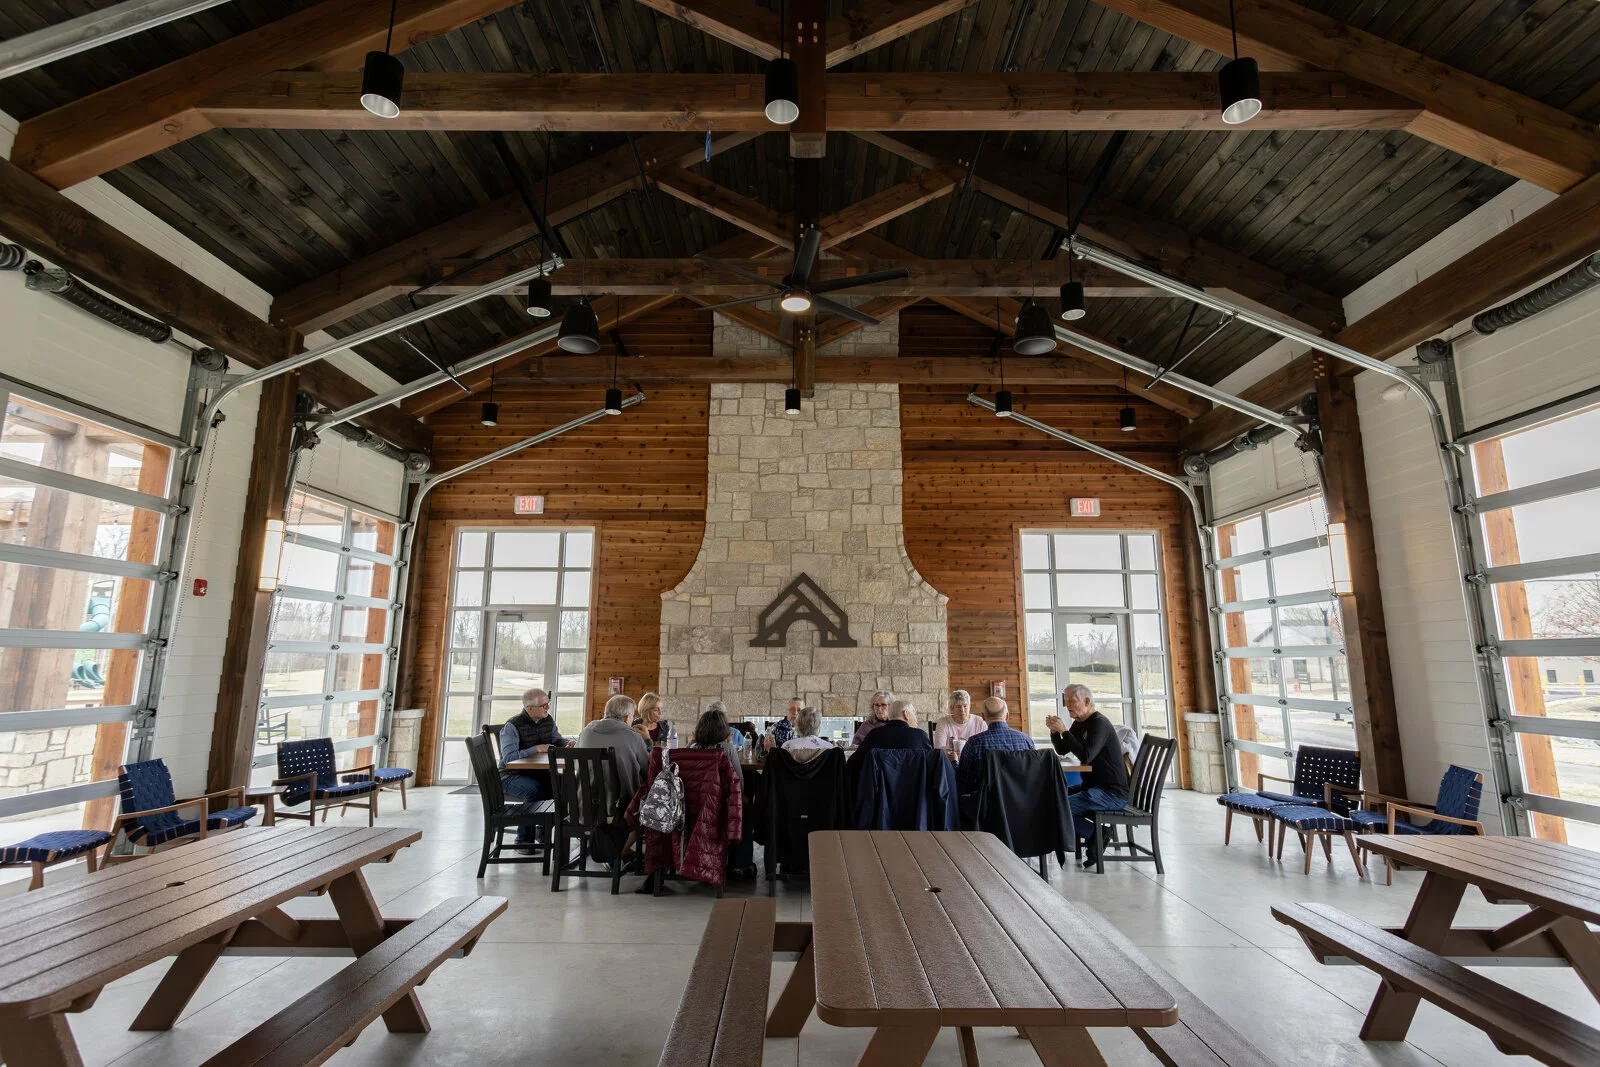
column 1330, row 209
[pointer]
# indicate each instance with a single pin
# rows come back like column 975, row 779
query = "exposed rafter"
column 562, row 369
column 131, row 119
column 1460, row 111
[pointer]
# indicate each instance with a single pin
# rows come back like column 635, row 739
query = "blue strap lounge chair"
column 152, row 816
column 386, row 777
column 1454, row 812
column 1311, row 822
column 1315, row 770
column 52, row 847
column 307, row 770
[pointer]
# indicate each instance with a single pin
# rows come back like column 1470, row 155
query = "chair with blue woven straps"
column 152, row 816
column 1455, row 811
column 53, row 847
column 385, row 776
column 307, row 770
column 1316, row 823
column 1315, row 768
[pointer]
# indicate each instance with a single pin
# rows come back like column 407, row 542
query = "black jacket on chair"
column 799, row 798
column 1023, row 802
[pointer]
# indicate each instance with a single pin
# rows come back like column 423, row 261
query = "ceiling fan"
column 797, row 293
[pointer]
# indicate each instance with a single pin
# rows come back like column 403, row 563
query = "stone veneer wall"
column 817, row 493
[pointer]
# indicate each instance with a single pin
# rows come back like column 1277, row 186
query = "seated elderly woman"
column 712, row 731
column 808, row 739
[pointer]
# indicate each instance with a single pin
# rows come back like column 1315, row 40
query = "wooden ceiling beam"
column 1034, row 190
column 699, row 277
column 1096, row 100
column 868, row 214
column 1529, row 250
column 1460, row 111
column 45, row 222
column 743, row 25
column 610, row 313
column 422, row 258
column 127, row 121
column 763, row 322
column 562, row 369
column 725, row 204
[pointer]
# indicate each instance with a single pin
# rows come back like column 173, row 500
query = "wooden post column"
column 233, row 734
column 1365, row 635
column 807, row 40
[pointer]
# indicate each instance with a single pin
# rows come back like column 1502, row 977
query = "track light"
column 382, row 77
column 580, row 330
column 1240, row 82
column 791, row 401
column 1072, row 308
column 1002, row 404
column 613, row 401
column 491, row 413
column 539, row 298
column 795, row 301
column 783, row 89
column 1034, row 335
column 1129, row 421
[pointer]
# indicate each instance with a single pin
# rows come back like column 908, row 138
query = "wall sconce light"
column 1339, row 559
column 271, row 556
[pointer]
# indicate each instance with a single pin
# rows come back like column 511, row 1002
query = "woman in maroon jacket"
column 713, row 809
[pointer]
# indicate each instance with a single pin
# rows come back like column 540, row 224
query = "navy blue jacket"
column 904, row 789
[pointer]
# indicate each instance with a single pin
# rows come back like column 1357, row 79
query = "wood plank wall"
column 973, row 482
column 638, row 478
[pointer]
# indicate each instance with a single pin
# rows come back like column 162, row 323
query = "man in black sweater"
column 1093, row 739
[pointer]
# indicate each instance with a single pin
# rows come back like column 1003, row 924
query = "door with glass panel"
column 1093, row 615
column 520, row 621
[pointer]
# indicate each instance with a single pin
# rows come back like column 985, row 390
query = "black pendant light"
column 382, row 77
column 791, row 401
column 1002, row 404
column 614, row 395
column 491, row 410
column 783, row 81
column 1129, row 421
column 1034, row 335
column 580, row 330
column 539, row 298
column 1239, row 82
column 1072, row 307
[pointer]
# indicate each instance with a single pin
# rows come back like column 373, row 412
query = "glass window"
column 298, row 686
column 1088, row 552
column 71, row 599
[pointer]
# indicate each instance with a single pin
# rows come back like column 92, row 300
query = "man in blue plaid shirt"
column 783, row 729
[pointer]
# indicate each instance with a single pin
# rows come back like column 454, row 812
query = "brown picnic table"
column 912, row 932
column 61, row 945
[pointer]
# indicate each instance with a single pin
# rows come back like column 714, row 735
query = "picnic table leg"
column 1428, row 925
column 799, row 996
column 178, row 985
column 968, row 1046
column 899, row 1046
column 1581, row 950
column 363, row 925
column 1064, row 1046
column 42, row 1042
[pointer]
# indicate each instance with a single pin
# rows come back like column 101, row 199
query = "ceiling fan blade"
column 835, row 284
column 846, row 310
column 805, row 257
column 758, row 298
column 741, row 272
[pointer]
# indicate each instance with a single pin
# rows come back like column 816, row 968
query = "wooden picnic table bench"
column 59, row 946
column 1427, row 958
column 723, row 1011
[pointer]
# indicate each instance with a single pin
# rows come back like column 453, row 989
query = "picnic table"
column 912, row 932
column 1428, row 956
column 61, row 945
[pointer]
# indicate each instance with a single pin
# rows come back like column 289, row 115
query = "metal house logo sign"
column 802, row 600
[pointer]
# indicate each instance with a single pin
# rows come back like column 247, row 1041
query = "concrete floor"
column 584, row 977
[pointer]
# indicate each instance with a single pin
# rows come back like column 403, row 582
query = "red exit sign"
column 1085, row 507
column 534, row 505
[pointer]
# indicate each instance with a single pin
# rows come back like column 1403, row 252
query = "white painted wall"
column 358, row 474
column 1551, row 356
column 49, row 343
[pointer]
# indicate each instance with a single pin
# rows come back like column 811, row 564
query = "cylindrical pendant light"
column 1002, row 404
column 613, row 401
column 1240, row 83
column 783, row 91
column 491, row 413
column 791, row 401
column 1129, row 421
column 580, row 330
column 1072, row 307
column 539, row 298
column 1034, row 335
column 382, row 77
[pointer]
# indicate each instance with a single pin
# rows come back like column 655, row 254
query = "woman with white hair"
column 807, row 732
column 875, row 718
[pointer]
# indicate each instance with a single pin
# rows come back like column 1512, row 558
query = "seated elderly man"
column 783, row 729
column 960, row 723
column 997, row 736
column 808, row 739
column 615, row 731
column 528, row 733
column 899, row 730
